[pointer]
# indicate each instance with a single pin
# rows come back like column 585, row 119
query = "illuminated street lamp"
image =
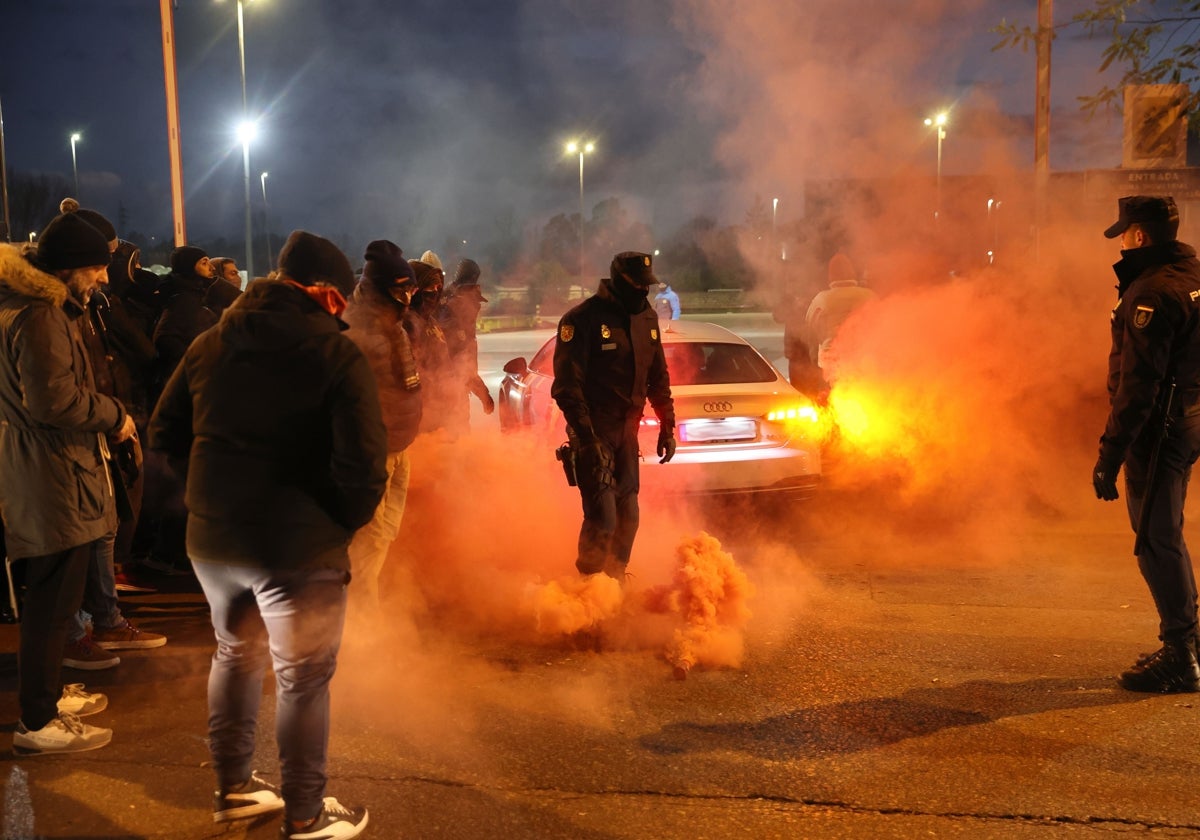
column 75, row 138
column 246, row 131
column 246, row 122
column 938, row 120
column 993, row 220
column 266, row 224
column 582, row 147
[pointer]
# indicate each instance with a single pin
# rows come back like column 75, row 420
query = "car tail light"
column 793, row 413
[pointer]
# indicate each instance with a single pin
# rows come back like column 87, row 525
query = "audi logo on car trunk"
column 718, row 407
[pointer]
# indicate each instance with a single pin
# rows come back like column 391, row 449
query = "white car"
column 740, row 426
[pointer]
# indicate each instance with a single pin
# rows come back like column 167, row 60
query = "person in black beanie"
column 429, row 345
column 375, row 315
column 457, row 318
column 273, row 416
column 184, row 316
column 55, row 495
column 116, row 348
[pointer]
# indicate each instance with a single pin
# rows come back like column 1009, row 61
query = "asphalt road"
column 906, row 671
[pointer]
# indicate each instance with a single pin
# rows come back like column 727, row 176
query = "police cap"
column 1140, row 209
column 636, row 266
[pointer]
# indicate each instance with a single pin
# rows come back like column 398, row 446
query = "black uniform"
column 1156, row 339
column 608, row 360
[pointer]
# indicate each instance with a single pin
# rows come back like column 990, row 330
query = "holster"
column 566, row 456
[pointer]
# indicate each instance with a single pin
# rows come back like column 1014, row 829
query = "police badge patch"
column 565, row 333
column 605, row 332
column 654, row 335
column 1142, row 316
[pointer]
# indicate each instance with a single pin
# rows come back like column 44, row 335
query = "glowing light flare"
column 796, row 412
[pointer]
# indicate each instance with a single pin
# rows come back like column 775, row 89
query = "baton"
column 1152, row 468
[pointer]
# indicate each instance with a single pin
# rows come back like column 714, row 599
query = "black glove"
column 666, row 444
column 596, row 462
column 1104, row 480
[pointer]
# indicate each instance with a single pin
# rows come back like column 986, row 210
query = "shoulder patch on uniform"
column 653, row 334
column 1142, row 315
column 565, row 333
column 605, row 332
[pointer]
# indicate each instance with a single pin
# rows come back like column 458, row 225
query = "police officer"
column 608, row 360
column 1156, row 343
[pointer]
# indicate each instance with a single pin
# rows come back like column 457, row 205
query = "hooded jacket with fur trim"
column 55, row 487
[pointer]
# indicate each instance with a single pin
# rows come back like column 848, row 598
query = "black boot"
column 1170, row 669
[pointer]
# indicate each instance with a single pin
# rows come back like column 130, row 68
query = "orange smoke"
column 568, row 605
column 708, row 595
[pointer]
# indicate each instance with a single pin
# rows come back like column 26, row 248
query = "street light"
column 582, row 147
column 774, row 234
column 246, row 131
column 266, row 224
column 938, row 120
column 75, row 138
column 246, row 141
column 994, row 222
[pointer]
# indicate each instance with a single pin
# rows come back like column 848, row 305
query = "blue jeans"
column 293, row 620
column 99, row 593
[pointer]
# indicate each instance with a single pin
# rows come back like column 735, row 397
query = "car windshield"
column 700, row 363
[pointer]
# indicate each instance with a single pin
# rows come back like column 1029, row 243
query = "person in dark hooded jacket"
column 375, row 315
column 457, row 319
column 608, row 361
column 184, row 313
column 56, row 493
column 274, row 417
column 429, row 345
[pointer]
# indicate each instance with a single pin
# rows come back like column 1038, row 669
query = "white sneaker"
column 64, row 734
column 335, row 822
column 82, row 703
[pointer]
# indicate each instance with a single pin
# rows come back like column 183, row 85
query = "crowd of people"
column 101, row 355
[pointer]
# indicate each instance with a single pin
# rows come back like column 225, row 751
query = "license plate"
column 718, row 431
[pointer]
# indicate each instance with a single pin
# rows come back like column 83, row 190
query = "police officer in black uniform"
column 608, row 360
column 1156, row 344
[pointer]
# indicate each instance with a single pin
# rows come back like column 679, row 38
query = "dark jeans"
column 293, row 620
column 610, row 514
column 1164, row 561
column 53, row 593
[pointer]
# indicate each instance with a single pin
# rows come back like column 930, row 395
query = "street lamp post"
column 246, row 132
column 993, row 222
column 245, row 140
column 582, row 148
column 940, row 122
column 266, row 222
column 75, row 138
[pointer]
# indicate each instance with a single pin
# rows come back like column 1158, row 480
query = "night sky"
column 440, row 120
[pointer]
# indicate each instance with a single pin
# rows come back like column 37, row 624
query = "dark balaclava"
column 125, row 261
column 429, row 286
column 386, row 269
column 185, row 257
column 632, row 278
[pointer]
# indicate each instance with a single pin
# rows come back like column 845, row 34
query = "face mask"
column 326, row 297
